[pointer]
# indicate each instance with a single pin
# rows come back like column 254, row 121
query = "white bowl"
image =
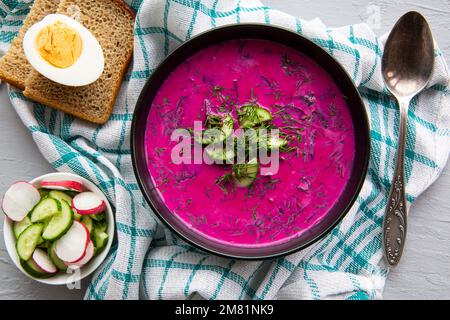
column 73, row 276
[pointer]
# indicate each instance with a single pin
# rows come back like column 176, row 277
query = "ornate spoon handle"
column 395, row 218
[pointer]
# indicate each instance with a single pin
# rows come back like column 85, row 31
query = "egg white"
column 86, row 70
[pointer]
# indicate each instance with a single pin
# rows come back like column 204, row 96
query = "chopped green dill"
column 241, row 171
column 253, row 97
column 224, row 182
column 290, row 66
column 213, row 121
column 160, row 150
column 217, row 90
column 254, row 213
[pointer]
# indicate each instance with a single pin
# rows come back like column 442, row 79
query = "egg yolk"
column 59, row 45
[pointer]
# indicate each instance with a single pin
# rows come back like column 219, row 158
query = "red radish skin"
column 87, row 203
column 86, row 247
column 78, row 234
column 68, row 185
column 19, row 199
column 87, row 257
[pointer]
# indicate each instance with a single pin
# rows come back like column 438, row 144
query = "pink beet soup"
column 308, row 109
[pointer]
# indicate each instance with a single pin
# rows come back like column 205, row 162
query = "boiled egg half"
column 64, row 51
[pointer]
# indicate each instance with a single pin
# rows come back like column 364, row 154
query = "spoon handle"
column 395, row 218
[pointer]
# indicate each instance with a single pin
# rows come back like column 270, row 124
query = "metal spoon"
column 407, row 66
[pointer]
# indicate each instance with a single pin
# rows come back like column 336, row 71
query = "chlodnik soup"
column 251, row 85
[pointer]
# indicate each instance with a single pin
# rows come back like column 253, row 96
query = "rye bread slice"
column 14, row 67
column 112, row 23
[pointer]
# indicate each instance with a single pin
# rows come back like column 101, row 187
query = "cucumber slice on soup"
column 245, row 174
column 217, row 134
column 275, row 143
column 227, row 127
column 220, row 154
column 263, row 115
column 253, row 115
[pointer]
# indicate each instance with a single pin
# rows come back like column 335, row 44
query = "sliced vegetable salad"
column 57, row 225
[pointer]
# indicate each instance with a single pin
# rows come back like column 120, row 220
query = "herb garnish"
column 225, row 182
column 160, row 150
column 290, row 66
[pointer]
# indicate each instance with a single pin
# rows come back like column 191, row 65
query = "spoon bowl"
column 408, row 56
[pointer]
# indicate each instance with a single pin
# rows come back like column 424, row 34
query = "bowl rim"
column 63, row 278
column 140, row 104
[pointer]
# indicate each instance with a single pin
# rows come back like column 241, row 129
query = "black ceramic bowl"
column 299, row 43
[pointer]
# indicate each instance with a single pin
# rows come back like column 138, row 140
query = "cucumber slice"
column 59, row 223
column 76, row 215
column 100, row 240
column 28, row 241
column 46, row 222
column 263, row 115
column 98, row 216
column 56, row 261
column 219, row 134
column 218, row 154
column 88, row 223
column 40, row 257
column 245, row 174
column 44, row 244
column 20, row 226
column 71, row 193
column 275, row 143
column 101, row 225
column 40, row 241
column 253, row 115
column 227, row 127
column 33, row 269
column 59, row 195
column 271, row 143
column 46, row 208
column 43, row 193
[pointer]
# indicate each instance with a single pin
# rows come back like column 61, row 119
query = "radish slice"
column 86, row 203
column 87, row 257
column 72, row 246
column 43, row 261
column 19, row 199
column 68, row 185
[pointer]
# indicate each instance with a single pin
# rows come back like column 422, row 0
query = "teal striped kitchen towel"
column 148, row 261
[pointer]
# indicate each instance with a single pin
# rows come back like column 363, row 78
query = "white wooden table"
column 424, row 272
